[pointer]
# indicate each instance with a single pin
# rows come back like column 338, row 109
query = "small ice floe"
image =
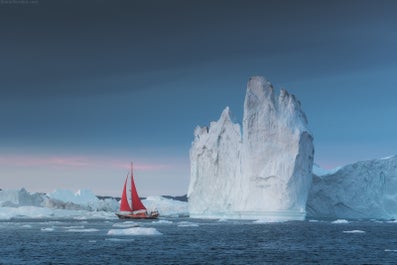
column 74, row 227
column 26, row 226
column 390, row 250
column 113, row 239
column 135, row 231
column 82, row 230
column 126, row 224
column 340, row 221
column 354, row 232
column 47, row 229
column 187, row 224
column 82, row 218
column 268, row 220
column 162, row 222
column 261, row 221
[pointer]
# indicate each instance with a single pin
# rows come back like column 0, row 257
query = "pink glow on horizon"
column 331, row 165
column 327, row 166
column 76, row 161
column 140, row 166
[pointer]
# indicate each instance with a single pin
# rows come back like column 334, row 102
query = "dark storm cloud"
column 51, row 47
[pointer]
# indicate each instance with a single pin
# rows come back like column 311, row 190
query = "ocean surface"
column 195, row 241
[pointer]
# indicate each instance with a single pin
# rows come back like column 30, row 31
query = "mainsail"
column 137, row 205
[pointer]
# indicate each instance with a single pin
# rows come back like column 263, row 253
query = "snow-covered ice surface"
column 363, row 190
column 265, row 172
column 79, row 205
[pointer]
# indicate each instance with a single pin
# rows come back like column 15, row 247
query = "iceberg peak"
column 226, row 114
column 260, row 86
column 260, row 94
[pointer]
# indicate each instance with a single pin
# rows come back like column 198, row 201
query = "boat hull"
column 138, row 215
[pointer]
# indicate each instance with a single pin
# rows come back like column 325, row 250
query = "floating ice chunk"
column 390, row 250
column 340, row 221
column 162, row 222
column 135, row 231
column 74, row 227
column 119, row 239
column 82, row 230
column 80, row 218
column 354, row 232
column 126, row 224
column 187, row 224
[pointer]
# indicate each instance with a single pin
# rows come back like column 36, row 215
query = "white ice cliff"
column 215, row 168
column 82, row 204
column 366, row 189
column 12, row 198
column 266, row 172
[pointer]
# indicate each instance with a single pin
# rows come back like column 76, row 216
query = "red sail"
column 124, row 206
column 136, row 202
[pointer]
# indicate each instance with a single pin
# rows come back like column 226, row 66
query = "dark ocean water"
column 193, row 241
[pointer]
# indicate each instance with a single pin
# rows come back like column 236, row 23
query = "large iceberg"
column 263, row 172
column 362, row 190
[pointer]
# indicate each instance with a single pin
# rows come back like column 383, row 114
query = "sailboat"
column 135, row 210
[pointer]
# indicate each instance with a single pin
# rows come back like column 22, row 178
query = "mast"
column 135, row 200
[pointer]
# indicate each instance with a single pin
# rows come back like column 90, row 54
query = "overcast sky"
column 88, row 86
